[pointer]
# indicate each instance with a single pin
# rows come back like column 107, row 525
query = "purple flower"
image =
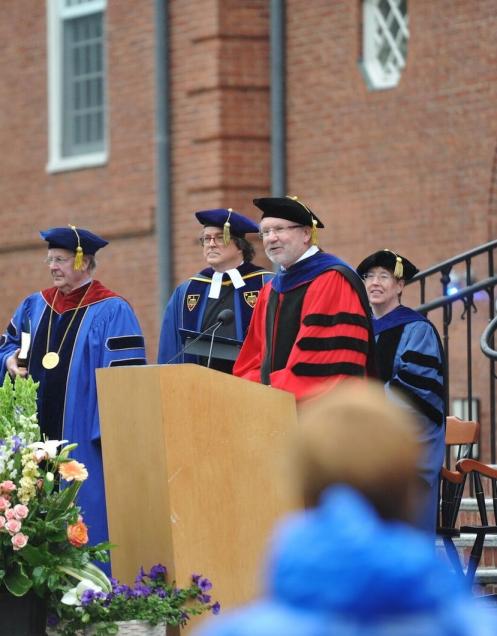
column 87, row 597
column 196, row 578
column 216, row 608
column 204, row 584
column 16, row 443
column 140, row 590
column 158, row 572
column 204, row 598
column 52, row 619
column 140, row 576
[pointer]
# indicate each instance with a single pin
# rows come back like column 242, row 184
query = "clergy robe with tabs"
column 410, row 359
column 104, row 332
column 311, row 328
column 191, row 308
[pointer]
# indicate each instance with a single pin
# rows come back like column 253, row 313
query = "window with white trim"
column 76, row 84
column 385, row 37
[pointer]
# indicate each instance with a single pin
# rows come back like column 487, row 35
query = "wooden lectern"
column 193, row 472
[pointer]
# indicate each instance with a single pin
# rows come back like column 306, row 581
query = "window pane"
column 83, row 85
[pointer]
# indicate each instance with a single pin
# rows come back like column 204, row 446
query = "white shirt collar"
column 217, row 279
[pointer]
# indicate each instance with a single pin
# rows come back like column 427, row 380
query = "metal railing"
column 438, row 283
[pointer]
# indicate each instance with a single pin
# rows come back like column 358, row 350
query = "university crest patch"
column 192, row 301
column 250, row 298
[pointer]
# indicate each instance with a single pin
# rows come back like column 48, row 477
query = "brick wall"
column 409, row 168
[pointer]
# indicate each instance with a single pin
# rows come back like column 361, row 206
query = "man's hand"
column 13, row 366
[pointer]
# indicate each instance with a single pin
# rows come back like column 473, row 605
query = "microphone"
column 224, row 317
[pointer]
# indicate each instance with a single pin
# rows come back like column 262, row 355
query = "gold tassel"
column 226, row 229
column 78, row 259
column 314, row 232
column 398, row 272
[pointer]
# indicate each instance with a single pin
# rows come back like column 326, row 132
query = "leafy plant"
column 43, row 538
column 150, row 599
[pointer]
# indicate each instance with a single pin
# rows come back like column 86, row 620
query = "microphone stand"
column 215, row 326
column 212, row 343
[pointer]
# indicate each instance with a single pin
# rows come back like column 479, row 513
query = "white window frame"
column 56, row 10
column 374, row 72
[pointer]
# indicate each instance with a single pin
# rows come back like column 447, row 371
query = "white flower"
column 47, row 449
column 73, row 596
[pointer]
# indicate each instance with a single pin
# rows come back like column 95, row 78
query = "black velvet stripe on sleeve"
column 128, row 362
column 329, row 320
column 421, row 405
column 422, row 382
column 332, row 344
column 323, row 370
column 125, row 342
column 11, row 330
column 422, row 359
column 3, row 338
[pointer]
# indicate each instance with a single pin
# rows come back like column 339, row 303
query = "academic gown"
column 311, row 328
column 190, row 308
column 104, row 333
column 410, row 359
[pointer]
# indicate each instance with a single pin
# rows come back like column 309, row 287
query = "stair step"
column 484, row 576
column 469, row 504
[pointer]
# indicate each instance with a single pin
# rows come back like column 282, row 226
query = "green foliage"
column 36, row 513
column 151, row 599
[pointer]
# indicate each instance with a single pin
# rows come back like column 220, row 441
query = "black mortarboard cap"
column 289, row 208
column 399, row 265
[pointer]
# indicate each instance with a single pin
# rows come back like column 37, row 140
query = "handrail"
column 486, row 337
column 474, row 400
column 462, row 293
column 449, row 263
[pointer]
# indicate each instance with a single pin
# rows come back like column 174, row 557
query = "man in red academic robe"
column 311, row 326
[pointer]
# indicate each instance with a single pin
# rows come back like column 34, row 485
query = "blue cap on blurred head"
column 231, row 222
column 81, row 242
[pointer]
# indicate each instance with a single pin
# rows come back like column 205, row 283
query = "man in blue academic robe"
column 231, row 281
column 411, row 363
column 75, row 327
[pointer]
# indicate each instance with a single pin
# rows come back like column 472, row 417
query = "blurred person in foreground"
column 352, row 563
column 230, row 281
column 410, row 359
column 311, row 327
column 75, row 327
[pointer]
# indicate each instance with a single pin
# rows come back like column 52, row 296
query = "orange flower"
column 73, row 470
column 77, row 534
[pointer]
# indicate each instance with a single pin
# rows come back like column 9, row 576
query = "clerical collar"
column 314, row 249
column 217, row 280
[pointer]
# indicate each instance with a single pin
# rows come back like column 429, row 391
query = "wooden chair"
column 464, row 434
column 460, row 434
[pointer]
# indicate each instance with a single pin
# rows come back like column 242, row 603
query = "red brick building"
column 408, row 167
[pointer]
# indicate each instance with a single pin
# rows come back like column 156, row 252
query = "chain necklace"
column 51, row 358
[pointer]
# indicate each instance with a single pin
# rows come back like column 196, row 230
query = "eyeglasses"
column 57, row 260
column 207, row 240
column 383, row 277
column 277, row 231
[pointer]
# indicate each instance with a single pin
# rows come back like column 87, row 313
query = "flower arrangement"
column 43, row 537
column 151, row 599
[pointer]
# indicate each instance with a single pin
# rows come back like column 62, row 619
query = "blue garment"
column 411, row 360
column 339, row 569
column 187, row 305
column 104, row 334
column 305, row 271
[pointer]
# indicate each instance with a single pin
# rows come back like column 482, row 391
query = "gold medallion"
column 50, row 360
